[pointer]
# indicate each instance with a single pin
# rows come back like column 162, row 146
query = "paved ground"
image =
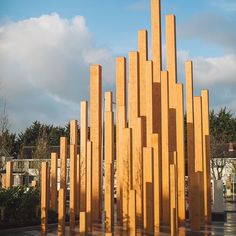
column 227, row 228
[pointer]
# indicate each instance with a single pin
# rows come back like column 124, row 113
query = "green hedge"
column 20, row 206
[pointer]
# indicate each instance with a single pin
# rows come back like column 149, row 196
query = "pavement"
column 227, row 228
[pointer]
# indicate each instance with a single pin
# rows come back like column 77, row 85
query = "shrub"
column 20, row 206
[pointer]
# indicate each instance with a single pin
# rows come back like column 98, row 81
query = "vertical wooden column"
column 77, row 185
column 48, row 186
column 127, row 174
column 171, row 62
column 73, row 154
column 54, row 159
column 180, row 153
column 136, row 124
column 120, row 125
column 156, row 40
column 89, row 187
column 173, row 197
column 133, row 96
column 61, row 212
column 137, row 166
column 157, row 64
column 9, row 175
column 44, row 201
column 108, row 198
column 82, row 223
column 190, row 136
column 171, row 65
column 165, row 148
column 63, row 162
column 148, row 212
column 74, row 132
column 63, row 185
column 206, row 156
column 157, row 67
column 143, row 57
column 74, row 141
column 96, row 137
column 199, row 150
column 132, row 212
column 156, row 182
column 83, row 152
column 196, row 210
column 149, row 102
column 109, row 161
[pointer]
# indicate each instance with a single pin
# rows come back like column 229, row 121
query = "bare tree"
column 4, row 126
column 41, row 152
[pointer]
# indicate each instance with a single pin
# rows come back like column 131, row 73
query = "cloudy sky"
column 46, row 48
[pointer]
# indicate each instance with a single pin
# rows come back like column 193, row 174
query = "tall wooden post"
column 127, row 173
column 61, row 212
column 143, row 57
column 54, row 159
column 190, row 137
column 120, row 125
column 63, row 162
column 149, row 102
column 74, row 132
column 96, row 137
column 180, row 153
column 171, row 65
column 196, row 209
column 156, row 182
column 156, row 40
column 48, row 186
column 137, row 166
column 171, row 62
column 9, row 175
column 109, row 162
column 108, row 197
column 44, row 196
column 173, row 197
column 89, row 187
column 83, row 152
column 157, row 64
column 199, row 150
column 82, row 223
column 74, row 141
column 206, row 156
column 132, row 212
column 157, row 67
column 148, row 212
column 73, row 154
column 133, row 96
column 136, row 124
column 77, row 185
column 63, row 184
column 165, row 148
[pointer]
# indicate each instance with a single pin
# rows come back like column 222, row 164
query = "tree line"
column 222, row 130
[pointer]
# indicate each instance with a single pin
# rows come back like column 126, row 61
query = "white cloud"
column 44, row 64
column 211, row 28
column 216, row 70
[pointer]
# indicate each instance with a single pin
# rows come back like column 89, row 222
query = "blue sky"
column 206, row 33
